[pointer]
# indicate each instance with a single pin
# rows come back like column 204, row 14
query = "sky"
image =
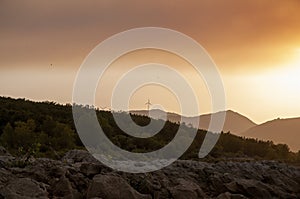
column 255, row 44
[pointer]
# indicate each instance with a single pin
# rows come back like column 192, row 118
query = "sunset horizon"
column 120, row 99
column 256, row 47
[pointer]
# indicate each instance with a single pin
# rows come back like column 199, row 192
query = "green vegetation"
column 46, row 129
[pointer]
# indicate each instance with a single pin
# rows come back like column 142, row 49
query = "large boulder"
column 186, row 189
column 24, row 188
column 90, row 169
column 5, row 157
column 250, row 187
column 74, row 156
column 63, row 188
column 228, row 195
column 4, row 152
column 115, row 187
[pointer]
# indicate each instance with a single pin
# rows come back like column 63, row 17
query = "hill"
column 234, row 122
column 279, row 130
column 46, row 129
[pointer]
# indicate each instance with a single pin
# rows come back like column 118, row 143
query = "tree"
column 63, row 137
column 282, row 151
column 7, row 137
column 24, row 135
column 298, row 156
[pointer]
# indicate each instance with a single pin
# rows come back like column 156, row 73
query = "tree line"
column 46, row 129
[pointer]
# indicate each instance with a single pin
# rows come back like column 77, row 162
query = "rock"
column 4, row 152
column 186, row 189
column 90, row 169
column 24, row 188
column 5, row 157
column 37, row 172
column 80, row 175
column 74, row 156
column 6, row 161
column 110, row 186
column 57, row 171
column 228, row 195
column 216, row 182
column 5, row 177
column 145, row 183
column 250, row 188
column 78, row 180
column 149, row 186
column 63, row 188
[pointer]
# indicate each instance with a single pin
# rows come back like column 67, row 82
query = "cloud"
column 236, row 33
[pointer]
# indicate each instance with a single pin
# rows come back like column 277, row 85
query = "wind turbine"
column 105, row 108
column 148, row 104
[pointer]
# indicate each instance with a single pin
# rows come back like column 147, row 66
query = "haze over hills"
column 234, row 122
column 285, row 131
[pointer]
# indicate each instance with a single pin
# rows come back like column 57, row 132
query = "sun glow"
column 281, row 86
column 291, row 73
column 286, row 78
column 274, row 91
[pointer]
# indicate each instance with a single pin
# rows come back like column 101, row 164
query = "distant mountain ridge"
column 234, row 122
column 285, row 131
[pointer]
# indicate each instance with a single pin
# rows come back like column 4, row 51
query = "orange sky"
column 255, row 44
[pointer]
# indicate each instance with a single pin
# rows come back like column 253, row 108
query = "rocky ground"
column 79, row 175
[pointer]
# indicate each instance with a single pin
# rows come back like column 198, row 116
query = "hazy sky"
column 255, row 44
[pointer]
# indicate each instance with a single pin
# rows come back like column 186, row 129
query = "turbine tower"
column 148, row 104
column 105, row 108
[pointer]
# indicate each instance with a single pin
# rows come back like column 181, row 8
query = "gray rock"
column 110, row 186
column 186, row 189
column 24, row 188
column 228, row 195
column 4, row 152
column 57, row 171
column 5, row 157
column 5, row 177
column 6, row 161
column 80, row 175
column 79, row 181
column 74, row 156
column 90, row 169
column 216, row 182
column 250, row 188
column 63, row 188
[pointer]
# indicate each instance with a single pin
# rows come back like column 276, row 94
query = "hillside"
column 234, row 122
column 280, row 131
column 46, row 129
